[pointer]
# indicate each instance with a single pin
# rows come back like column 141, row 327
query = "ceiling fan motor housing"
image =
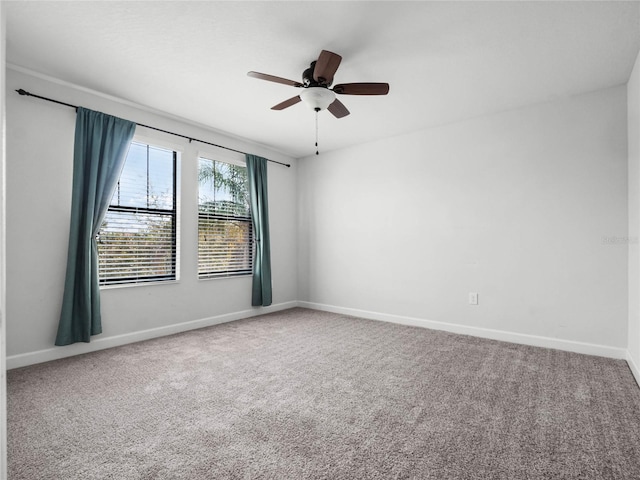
column 309, row 81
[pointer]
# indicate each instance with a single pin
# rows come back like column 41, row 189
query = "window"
column 225, row 232
column 137, row 240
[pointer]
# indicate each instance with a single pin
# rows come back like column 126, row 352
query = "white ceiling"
column 444, row 61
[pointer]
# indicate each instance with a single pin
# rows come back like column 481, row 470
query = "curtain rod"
column 191, row 139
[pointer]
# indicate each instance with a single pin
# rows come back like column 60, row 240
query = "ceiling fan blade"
column 338, row 109
column 287, row 103
column 362, row 89
column 326, row 66
column 273, row 78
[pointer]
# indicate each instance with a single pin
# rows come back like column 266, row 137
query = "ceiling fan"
column 316, row 81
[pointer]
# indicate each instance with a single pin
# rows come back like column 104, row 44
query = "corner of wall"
column 633, row 152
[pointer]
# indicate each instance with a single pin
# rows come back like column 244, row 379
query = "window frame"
column 237, row 160
column 137, row 281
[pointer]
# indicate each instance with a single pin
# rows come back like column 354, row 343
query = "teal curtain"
column 257, row 176
column 100, row 149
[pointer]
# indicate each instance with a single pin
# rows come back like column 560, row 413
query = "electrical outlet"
column 473, row 298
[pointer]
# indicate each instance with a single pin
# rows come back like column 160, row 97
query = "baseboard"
column 31, row 358
column 524, row 339
column 633, row 367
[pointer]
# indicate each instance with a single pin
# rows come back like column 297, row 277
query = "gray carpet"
column 309, row 395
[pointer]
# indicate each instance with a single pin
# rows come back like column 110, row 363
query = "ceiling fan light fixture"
column 318, row 98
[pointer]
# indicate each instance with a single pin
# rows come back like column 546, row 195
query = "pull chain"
column 317, row 132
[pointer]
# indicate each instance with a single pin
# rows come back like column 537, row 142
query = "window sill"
column 131, row 285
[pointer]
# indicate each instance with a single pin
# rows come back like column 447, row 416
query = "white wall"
column 528, row 208
column 633, row 126
column 39, row 175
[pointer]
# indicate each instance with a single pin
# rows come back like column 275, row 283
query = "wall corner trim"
column 633, row 367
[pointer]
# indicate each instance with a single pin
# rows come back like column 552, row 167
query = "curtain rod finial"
column 22, row 92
